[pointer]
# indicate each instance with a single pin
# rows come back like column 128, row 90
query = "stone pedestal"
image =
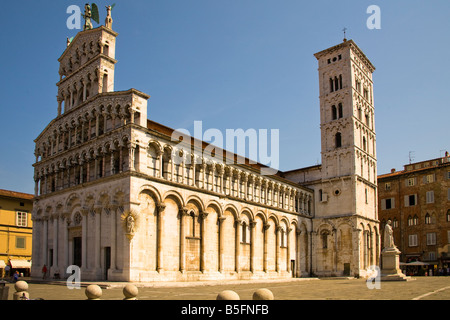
column 390, row 266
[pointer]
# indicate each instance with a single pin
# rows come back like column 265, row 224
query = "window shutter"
column 406, row 201
column 383, row 204
column 392, row 203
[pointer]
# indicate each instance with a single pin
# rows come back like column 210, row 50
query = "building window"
column 21, row 219
column 429, row 178
column 413, row 221
column 20, row 243
column 395, row 223
column 387, row 186
column 340, row 109
column 410, row 200
column 431, row 239
column 333, row 112
column 427, row 219
column 324, row 239
column 338, row 140
column 387, row 204
column 410, row 182
column 448, row 216
column 430, row 196
column 412, row 240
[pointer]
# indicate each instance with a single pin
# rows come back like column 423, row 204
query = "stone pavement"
column 421, row 288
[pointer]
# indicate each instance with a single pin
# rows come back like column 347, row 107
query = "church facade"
column 116, row 196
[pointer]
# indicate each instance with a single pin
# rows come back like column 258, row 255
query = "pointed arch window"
column 427, row 219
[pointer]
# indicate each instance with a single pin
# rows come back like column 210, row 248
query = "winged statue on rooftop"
column 91, row 13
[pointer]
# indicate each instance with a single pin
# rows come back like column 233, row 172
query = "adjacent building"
column 117, row 196
column 15, row 230
column 417, row 201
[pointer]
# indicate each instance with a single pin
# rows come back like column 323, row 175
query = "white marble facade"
column 117, row 197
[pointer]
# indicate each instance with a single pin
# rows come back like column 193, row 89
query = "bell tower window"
column 338, row 140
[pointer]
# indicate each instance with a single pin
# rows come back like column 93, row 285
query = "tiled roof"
column 14, row 194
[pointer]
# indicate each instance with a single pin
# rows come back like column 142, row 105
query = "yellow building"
column 15, row 231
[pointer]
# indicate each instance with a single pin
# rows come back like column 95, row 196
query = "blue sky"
column 236, row 64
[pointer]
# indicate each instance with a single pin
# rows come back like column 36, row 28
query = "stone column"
column 288, row 248
column 114, row 208
column 65, row 221
column 45, row 242
column 221, row 243
column 238, row 244
column 84, row 255
column 203, row 231
column 55, row 242
column 97, row 213
column 160, row 261
column 265, row 261
column 278, row 248
column 161, row 167
column 183, row 214
column 252, row 245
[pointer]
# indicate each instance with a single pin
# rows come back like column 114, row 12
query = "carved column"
column 114, row 211
column 183, row 214
column 84, row 212
column 203, row 231
column 45, row 241
column 252, row 245
column 97, row 214
column 238, row 244
column 55, row 241
column 266, row 262
column 221, row 220
column 278, row 230
column 160, row 261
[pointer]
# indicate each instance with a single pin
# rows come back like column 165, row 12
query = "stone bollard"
column 93, row 292
column 263, row 294
column 21, row 291
column 130, row 292
column 228, row 295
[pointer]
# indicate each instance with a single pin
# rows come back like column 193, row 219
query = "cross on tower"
column 345, row 30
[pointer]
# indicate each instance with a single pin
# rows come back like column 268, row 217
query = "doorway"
column 107, row 262
column 77, row 251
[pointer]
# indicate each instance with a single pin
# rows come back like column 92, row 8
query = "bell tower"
column 348, row 140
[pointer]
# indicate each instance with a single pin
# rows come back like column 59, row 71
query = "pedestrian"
column 16, row 276
column 44, row 271
column 7, row 268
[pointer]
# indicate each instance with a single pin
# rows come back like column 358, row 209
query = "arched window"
column 324, row 236
column 333, row 112
column 364, row 143
column 244, row 232
column 410, row 221
column 341, row 113
column 331, row 85
column 338, row 140
column 427, row 219
column 448, row 216
column 340, row 81
column 415, row 220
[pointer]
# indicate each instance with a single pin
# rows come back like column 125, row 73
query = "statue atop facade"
column 90, row 12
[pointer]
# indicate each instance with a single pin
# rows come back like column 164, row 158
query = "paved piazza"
column 422, row 288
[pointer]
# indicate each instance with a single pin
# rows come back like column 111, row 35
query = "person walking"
column 44, row 271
